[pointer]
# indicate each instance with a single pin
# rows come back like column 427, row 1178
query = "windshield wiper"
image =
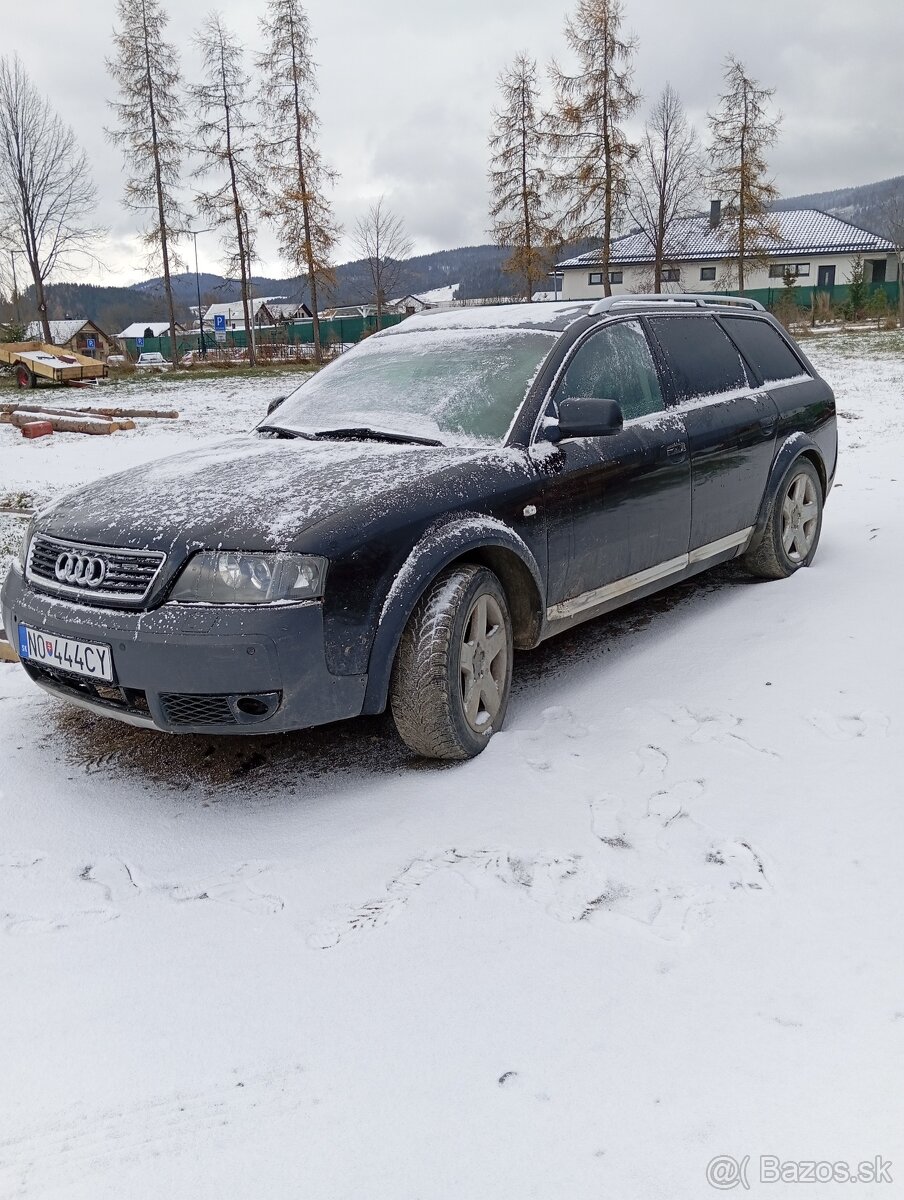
column 365, row 433
column 282, row 432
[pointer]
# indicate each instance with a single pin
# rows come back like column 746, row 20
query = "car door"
column 731, row 429
column 618, row 507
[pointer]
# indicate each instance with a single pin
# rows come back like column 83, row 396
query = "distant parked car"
column 117, row 360
column 460, row 486
column 153, row 360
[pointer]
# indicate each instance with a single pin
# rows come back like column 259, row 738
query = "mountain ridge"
column 475, row 270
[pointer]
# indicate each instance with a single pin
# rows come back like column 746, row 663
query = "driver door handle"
column 676, row 451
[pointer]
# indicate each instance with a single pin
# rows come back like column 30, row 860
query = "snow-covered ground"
column 659, row 920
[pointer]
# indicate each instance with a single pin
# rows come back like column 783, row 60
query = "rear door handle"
column 676, row 451
column 768, row 425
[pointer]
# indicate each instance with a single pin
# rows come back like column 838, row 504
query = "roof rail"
column 674, row 300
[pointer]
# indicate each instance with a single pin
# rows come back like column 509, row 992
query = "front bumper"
column 185, row 668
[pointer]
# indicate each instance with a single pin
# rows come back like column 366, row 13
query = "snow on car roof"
column 556, row 316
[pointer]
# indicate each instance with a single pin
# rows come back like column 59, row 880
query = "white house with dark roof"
column 81, row 335
column 816, row 247
column 265, row 310
column 147, row 330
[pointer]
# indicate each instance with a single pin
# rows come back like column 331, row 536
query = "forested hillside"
column 863, row 205
column 475, row 270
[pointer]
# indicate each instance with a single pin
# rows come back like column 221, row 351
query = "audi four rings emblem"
column 82, row 570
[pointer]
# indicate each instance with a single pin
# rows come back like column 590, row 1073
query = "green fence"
column 803, row 296
column 334, row 331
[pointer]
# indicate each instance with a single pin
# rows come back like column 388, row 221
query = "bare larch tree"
column 46, row 190
column 149, row 129
column 379, row 237
column 742, row 130
column 893, row 227
column 290, row 159
column 591, row 149
column 227, row 149
column 665, row 178
column 518, row 182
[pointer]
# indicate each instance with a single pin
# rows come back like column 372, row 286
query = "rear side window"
column 764, row 349
column 702, row 358
column 615, row 364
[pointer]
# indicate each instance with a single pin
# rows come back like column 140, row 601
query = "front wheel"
column 792, row 527
column 453, row 671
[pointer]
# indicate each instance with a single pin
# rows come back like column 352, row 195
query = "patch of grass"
column 17, row 502
column 192, row 374
column 865, row 343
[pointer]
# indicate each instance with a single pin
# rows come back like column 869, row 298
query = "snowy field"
column 658, row 921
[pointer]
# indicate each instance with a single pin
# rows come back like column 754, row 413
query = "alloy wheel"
column 800, row 518
column 484, row 663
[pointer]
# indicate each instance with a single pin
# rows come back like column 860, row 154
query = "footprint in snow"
column 17, row 926
column 869, row 723
column 719, row 727
column 653, row 760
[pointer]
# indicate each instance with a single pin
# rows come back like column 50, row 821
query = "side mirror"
column 274, row 404
column 586, row 416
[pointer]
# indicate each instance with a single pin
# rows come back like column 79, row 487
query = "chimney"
column 715, row 213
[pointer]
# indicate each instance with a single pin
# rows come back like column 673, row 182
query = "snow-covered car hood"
column 248, row 491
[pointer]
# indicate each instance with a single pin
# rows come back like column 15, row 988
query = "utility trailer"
column 37, row 363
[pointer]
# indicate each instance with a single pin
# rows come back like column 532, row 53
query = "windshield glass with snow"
column 444, row 384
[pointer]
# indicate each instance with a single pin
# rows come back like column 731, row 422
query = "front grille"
column 127, row 576
column 180, row 708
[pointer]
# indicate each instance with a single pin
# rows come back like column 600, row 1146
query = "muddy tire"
column 793, row 526
column 24, row 376
column 453, row 670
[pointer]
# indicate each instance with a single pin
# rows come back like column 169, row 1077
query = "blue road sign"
column 219, row 323
column 139, row 342
column 91, row 343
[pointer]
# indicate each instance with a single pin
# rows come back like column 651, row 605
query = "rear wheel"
column 792, row 527
column 452, row 676
column 24, row 377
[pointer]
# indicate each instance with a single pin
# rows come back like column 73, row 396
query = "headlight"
column 25, row 543
column 229, row 577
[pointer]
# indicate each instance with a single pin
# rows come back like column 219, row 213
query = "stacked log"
column 71, row 422
column 165, row 414
column 33, row 419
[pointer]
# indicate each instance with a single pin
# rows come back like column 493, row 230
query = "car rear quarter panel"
column 808, row 407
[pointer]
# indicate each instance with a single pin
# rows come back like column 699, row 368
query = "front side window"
column 446, row 384
column 701, row 358
column 615, row 364
column 764, row 348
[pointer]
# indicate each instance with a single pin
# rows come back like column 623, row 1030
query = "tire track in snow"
column 79, row 1144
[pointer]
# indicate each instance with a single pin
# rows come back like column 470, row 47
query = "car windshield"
column 442, row 384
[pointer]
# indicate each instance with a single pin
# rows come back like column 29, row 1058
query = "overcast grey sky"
column 406, row 89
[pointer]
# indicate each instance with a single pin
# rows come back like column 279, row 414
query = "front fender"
column 481, row 538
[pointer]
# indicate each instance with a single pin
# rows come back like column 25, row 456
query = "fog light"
column 251, row 706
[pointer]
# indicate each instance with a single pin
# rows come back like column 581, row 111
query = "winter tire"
column 793, row 526
column 24, row 377
column 453, row 671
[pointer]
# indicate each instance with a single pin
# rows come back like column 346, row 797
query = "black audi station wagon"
column 457, row 487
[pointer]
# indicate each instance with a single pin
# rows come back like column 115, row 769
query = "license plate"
column 79, row 658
